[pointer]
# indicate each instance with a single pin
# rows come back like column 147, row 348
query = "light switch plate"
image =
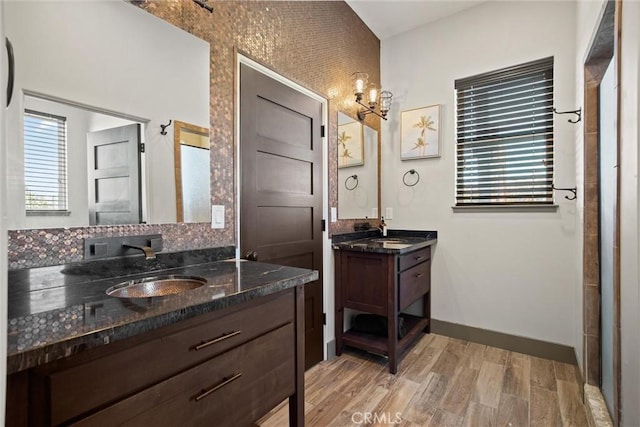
column 388, row 213
column 334, row 214
column 217, row 216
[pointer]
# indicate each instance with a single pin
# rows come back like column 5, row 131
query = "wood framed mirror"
column 357, row 169
column 191, row 158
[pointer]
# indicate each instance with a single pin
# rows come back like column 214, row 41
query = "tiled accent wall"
column 317, row 44
column 591, row 266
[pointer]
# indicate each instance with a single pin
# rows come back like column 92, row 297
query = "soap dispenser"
column 383, row 228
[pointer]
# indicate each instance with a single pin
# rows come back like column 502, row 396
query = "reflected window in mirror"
column 81, row 166
column 357, row 169
column 191, row 155
column 45, row 163
column 105, row 78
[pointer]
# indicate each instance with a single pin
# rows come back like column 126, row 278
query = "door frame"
column 241, row 58
column 604, row 48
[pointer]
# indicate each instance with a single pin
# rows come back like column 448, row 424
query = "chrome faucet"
column 148, row 252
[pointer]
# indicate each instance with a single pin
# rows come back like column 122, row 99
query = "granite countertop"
column 55, row 312
column 396, row 242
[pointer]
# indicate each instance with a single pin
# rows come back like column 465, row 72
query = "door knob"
column 251, row 256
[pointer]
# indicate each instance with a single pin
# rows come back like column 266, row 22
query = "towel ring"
column 412, row 172
column 346, row 185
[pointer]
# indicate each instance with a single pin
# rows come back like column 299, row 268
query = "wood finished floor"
column 441, row 382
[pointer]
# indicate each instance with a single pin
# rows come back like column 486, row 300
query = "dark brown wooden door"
column 281, row 186
column 114, row 176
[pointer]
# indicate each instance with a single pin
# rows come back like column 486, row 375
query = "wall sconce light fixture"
column 374, row 97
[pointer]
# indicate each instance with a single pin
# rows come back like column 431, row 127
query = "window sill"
column 48, row 213
column 505, row 208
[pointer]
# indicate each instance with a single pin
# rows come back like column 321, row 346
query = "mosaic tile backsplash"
column 317, row 44
column 53, row 246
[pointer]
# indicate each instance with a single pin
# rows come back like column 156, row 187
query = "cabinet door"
column 235, row 388
column 366, row 279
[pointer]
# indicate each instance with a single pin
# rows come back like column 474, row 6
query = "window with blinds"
column 45, row 162
column 505, row 136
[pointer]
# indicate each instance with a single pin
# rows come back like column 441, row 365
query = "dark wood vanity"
column 227, row 368
column 382, row 282
column 224, row 354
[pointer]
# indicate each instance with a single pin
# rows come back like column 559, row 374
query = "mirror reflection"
column 71, row 151
column 133, row 77
column 357, row 169
column 191, row 153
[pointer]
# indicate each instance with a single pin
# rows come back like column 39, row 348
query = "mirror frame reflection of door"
column 178, row 141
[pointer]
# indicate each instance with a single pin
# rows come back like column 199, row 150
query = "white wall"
column 511, row 272
column 629, row 216
column 113, row 56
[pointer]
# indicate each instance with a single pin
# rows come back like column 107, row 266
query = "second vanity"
column 224, row 354
column 383, row 276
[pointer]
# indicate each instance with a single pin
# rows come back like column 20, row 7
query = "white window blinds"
column 505, row 136
column 45, row 162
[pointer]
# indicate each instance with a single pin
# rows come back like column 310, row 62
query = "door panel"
column 274, row 174
column 282, row 225
column 114, row 176
column 269, row 126
column 281, row 186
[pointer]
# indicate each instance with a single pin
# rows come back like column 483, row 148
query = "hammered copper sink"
column 155, row 286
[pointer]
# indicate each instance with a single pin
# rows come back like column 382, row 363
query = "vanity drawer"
column 77, row 388
column 413, row 283
column 235, row 388
column 413, row 258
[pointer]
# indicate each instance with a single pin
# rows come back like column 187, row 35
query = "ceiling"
column 387, row 18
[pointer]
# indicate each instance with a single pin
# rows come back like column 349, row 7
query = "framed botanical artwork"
column 420, row 133
column 350, row 145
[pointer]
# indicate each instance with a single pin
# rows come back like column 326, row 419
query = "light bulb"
column 359, row 83
column 373, row 95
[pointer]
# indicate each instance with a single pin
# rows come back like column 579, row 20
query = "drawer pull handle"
column 224, row 382
column 419, row 275
column 420, row 258
column 217, row 340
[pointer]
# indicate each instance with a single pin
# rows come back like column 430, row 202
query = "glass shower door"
column 608, row 187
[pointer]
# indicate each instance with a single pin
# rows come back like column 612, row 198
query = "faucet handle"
column 156, row 244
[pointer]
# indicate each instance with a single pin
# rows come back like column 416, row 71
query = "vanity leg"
column 393, row 343
column 339, row 330
column 392, row 315
column 17, row 406
column 339, row 310
column 426, row 310
column 296, row 401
